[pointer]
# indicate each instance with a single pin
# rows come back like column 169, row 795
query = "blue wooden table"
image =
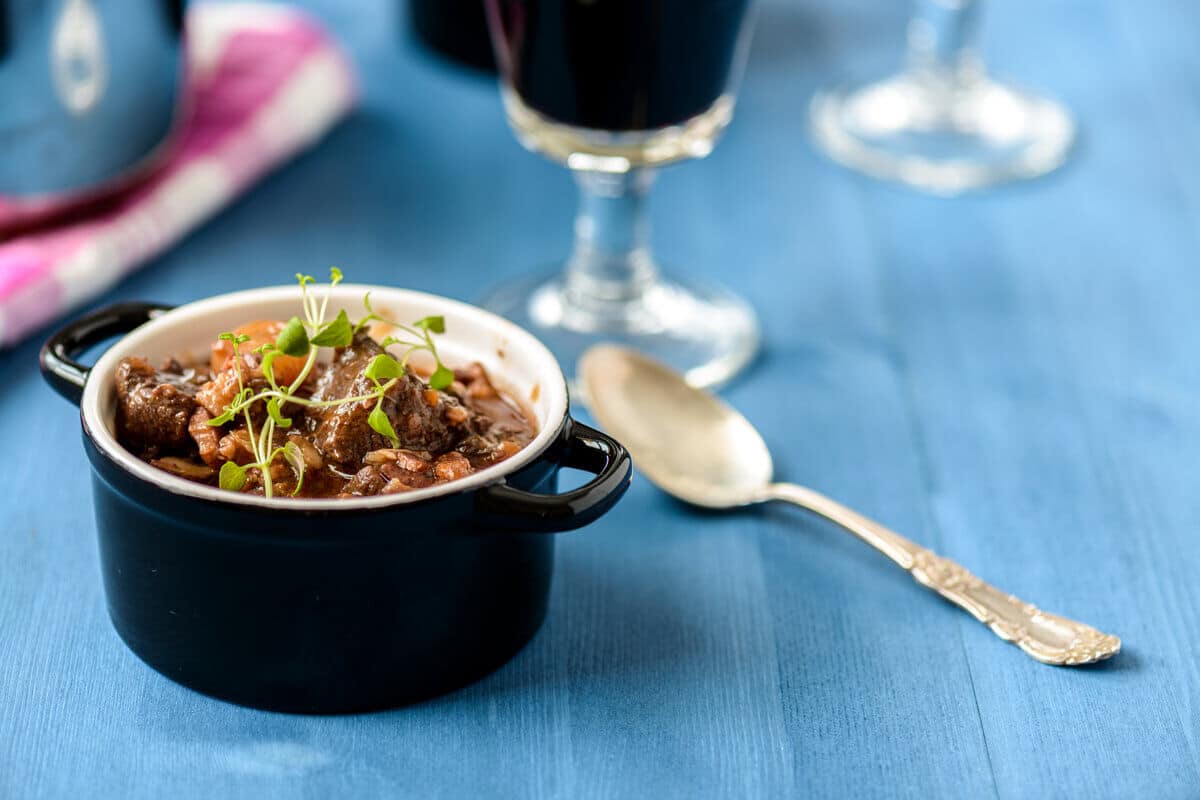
column 1010, row 378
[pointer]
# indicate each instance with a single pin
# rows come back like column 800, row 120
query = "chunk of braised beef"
column 387, row 479
column 452, row 466
column 206, row 437
column 422, row 420
column 235, row 446
column 153, row 409
column 402, row 478
column 407, row 459
column 367, row 482
column 389, row 471
column 217, row 393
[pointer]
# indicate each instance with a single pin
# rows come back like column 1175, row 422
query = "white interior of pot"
column 518, row 363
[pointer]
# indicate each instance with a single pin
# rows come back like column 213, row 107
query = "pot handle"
column 57, row 358
column 507, row 508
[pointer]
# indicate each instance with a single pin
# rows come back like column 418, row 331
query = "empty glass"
column 613, row 89
column 941, row 124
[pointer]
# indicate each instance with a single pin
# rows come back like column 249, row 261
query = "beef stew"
column 323, row 439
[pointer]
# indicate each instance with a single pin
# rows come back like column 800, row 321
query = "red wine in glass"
column 611, row 89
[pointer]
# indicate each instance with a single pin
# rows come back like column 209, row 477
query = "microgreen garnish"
column 303, row 338
column 232, row 477
column 380, row 423
column 269, row 353
column 383, row 367
column 293, row 339
column 441, row 378
column 275, row 415
column 431, row 324
column 295, row 460
column 338, row 333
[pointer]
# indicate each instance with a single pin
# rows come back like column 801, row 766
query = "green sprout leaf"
column 293, row 339
column 269, row 354
column 431, row 324
column 380, row 423
column 338, row 333
column 441, row 378
column 370, row 317
column 225, row 417
column 230, row 410
column 234, row 338
column 273, row 411
column 232, row 477
column 335, row 276
column 383, row 367
column 295, row 460
column 305, row 279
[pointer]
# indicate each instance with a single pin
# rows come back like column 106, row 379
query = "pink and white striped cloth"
column 263, row 83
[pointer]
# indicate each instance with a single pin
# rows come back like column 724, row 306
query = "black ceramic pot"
column 333, row 605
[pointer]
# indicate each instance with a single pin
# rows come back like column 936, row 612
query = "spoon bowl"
column 716, row 458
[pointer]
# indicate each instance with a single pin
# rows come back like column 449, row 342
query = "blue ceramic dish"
column 334, row 605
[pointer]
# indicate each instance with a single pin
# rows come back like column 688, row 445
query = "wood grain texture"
column 1009, row 378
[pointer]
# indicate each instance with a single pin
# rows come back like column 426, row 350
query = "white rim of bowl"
column 100, row 378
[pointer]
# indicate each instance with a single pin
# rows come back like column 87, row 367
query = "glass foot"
column 942, row 135
column 705, row 332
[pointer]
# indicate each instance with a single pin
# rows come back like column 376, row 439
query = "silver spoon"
column 700, row 450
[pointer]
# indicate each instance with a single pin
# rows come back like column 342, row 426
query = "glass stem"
column 942, row 38
column 611, row 263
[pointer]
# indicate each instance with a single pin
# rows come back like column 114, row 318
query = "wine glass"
column 613, row 89
column 942, row 124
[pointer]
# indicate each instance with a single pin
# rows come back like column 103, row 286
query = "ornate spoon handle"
column 1049, row 638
